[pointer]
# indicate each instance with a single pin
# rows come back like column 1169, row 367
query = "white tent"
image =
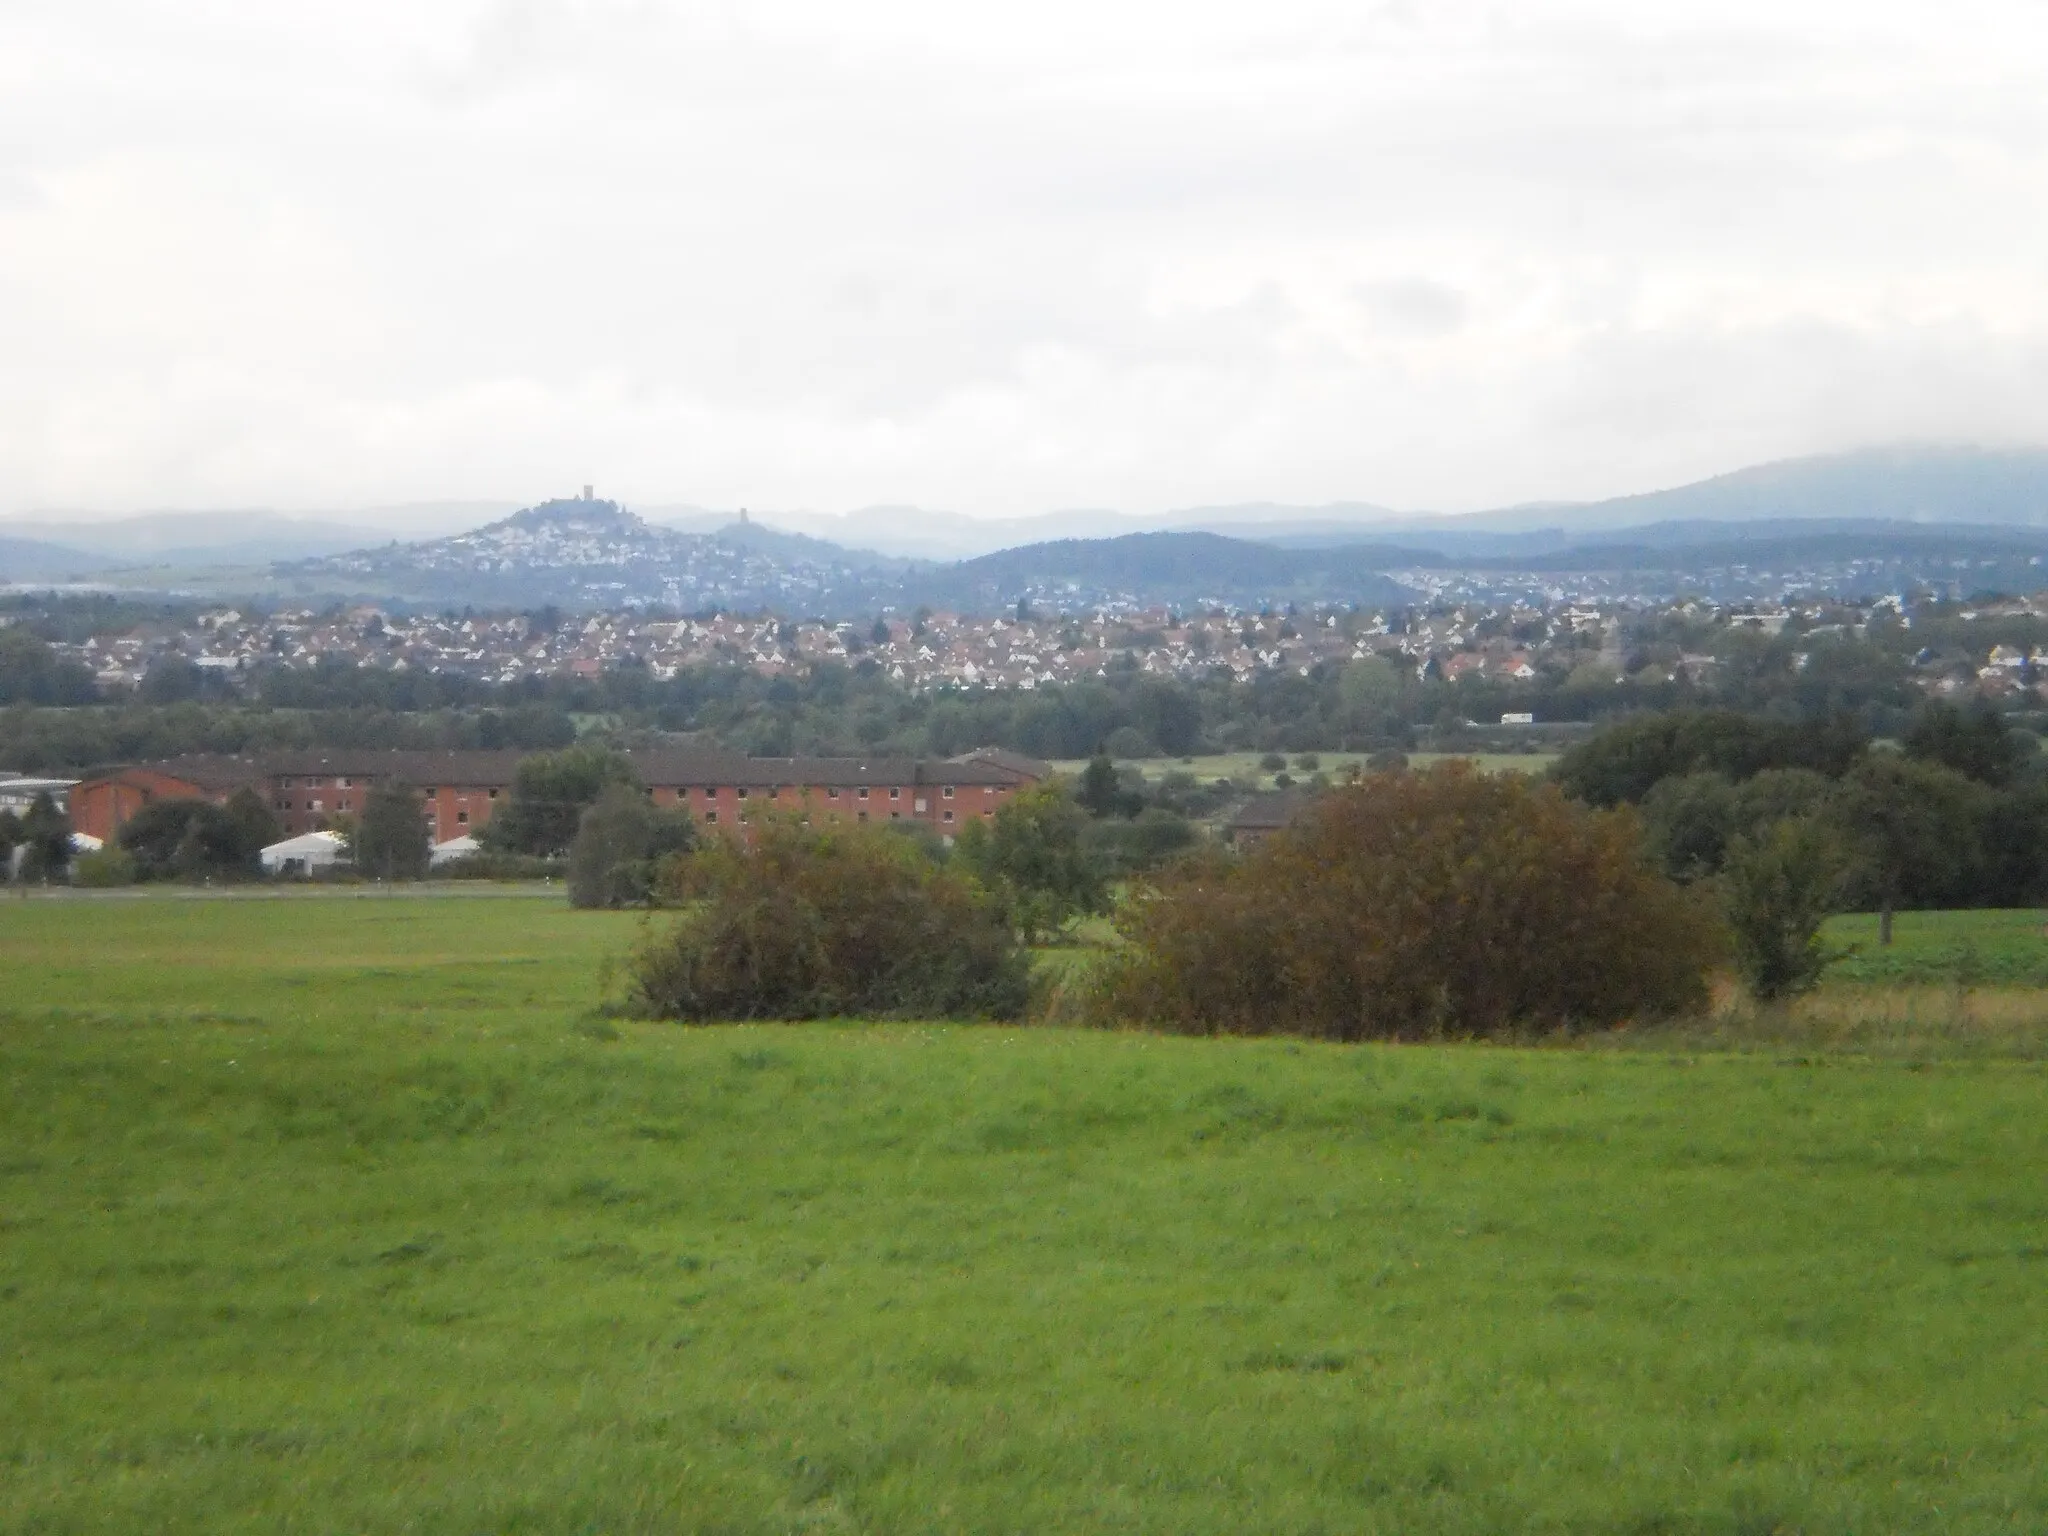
column 305, row 854
column 455, row 848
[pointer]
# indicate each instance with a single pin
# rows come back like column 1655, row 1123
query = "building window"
column 947, row 792
column 711, row 815
column 922, row 805
column 863, row 815
column 742, row 791
column 462, row 818
column 494, row 794
column 348, row 783
column 895, row 815
column 946, row 816
column 863, row 791
column 895, row 794
column 430, row 793
column 832, row 794
column 315, row 805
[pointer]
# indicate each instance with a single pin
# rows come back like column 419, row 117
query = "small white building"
column 18, row 794
column 306, row 854
column 455, row 848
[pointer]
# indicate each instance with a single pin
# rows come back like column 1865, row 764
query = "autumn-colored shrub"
column 1408, row 905
column 800, row 922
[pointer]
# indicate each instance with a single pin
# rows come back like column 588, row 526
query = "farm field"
column 1231, row 765
column 1987, row 948
column 356, row 1216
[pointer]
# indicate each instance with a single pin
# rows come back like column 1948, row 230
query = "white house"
column 455, row 848
column 305, row 854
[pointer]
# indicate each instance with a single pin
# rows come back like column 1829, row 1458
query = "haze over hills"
column 1965, row 517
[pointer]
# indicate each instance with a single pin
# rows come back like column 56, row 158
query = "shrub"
column 618, row 843
column 805, row 922
column 1780, row 886
column 1407, row 905
column 103, row 869
column 1272, row 762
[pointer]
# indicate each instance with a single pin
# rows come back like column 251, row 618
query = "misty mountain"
column 1926, row 484
column 25, row 560
column 595, row 554
column 1175, row 569
column 197, row 539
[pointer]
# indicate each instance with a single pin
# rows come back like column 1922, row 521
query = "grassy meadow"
column 355, row 1215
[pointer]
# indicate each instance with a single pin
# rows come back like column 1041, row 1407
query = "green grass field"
column 1992, row 948
column 352, row 1215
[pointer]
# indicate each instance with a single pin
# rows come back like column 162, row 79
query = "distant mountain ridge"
column 32, row 560
column 589, row 554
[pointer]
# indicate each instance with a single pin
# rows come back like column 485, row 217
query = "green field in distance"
column 354, row 1215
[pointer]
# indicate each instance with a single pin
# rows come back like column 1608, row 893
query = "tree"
column 10, row 837
column 1781, row 884
column 30, row 673
column 391, row 841
column 1687, row 821
column 1101, row 792
column 1975, row 743
column 45, row 841
column 196, row 840
column 1032, row 853
column 1622, row 763
column 838, row 920
column 549, row 794
column 1915, row 831
column 620, row 842
column 1414, row 904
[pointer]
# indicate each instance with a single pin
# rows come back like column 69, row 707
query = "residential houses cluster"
column 1509, row 642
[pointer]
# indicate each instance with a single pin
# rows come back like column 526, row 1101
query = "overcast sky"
column 1002, row 259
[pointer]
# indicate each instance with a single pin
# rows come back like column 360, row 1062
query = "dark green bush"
column 841, row 919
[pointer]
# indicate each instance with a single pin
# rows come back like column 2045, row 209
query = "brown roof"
column 1269, row 813
column 835, row 771
column 1013, row 763
column 656, row 766
column 207, row 771
column 414, row 767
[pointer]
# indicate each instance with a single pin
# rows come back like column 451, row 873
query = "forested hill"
column 1174, row 569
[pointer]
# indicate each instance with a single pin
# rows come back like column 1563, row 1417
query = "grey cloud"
column 1003, row 258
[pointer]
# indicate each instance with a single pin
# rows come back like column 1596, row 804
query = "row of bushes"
column 1402, row 906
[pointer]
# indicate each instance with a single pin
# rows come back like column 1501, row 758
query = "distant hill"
column 30, row 560
column 1177, row 569
column 596, row 554
column 191, row 539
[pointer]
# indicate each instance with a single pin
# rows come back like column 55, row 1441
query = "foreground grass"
column 351, row 1216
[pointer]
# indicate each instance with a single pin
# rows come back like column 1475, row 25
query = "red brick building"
column 461, row 790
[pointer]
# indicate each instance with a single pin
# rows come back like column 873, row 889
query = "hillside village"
column 1507, row 644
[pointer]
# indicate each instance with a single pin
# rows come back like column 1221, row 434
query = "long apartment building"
column 461, row 790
